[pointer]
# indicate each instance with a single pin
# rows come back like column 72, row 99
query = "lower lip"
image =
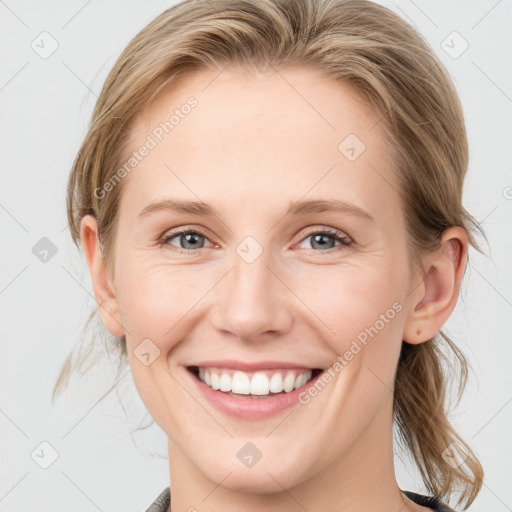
column 250, row 408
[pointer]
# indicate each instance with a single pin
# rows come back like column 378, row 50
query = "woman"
column 269, row 199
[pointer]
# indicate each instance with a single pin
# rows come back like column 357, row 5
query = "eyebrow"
column 194, row 207
column 321, row 205
column 295, row 208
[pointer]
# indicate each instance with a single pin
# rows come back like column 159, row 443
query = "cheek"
column 161, row 304
column 162, row 301
column 348, row 300
column 158, row 300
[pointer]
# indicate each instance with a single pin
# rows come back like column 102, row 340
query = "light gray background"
column 45, row 107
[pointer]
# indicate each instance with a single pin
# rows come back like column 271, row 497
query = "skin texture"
column 255, row 143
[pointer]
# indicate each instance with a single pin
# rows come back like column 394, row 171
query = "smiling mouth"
column 254, row 384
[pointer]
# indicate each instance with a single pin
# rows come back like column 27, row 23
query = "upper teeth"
column 254, row 383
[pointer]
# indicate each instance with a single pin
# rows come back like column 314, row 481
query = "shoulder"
column 163, row 500
column 161, row 503
column 428, row 501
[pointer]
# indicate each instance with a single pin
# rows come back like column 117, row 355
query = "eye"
column 189, row 240
column 326, row 239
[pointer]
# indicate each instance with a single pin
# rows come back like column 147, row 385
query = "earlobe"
column 434, row 299
column 103, row 291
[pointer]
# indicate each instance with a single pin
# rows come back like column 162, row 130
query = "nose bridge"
column 252, row 299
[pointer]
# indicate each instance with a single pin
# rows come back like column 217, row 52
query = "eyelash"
column 345, row 241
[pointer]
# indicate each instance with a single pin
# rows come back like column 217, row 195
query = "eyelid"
column 334, row 232
column 173, row 233
column 184, row 228
column 342, row 237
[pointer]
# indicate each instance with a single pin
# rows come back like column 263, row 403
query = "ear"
column 102, row 287
column 433, row 300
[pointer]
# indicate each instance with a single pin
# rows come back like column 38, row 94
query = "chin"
column 255, row 481
column 267, row 475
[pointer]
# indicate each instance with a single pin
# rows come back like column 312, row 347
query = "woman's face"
column 274, row 174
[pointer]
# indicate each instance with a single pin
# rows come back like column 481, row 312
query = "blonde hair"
column 386, row 60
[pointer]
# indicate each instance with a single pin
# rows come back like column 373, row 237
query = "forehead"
column 271, row 136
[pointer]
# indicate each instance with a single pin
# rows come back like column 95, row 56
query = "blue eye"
column 320, row 239
column 191, row 240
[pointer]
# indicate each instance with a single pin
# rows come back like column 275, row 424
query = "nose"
column 252, row 301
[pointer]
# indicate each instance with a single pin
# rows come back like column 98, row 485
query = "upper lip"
column 250, row 366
